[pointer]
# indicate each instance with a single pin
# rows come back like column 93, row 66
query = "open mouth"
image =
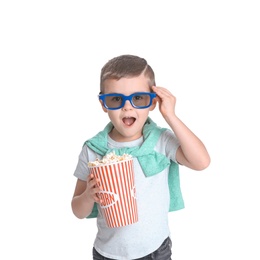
column 128, row 120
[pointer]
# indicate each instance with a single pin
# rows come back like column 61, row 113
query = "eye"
column 137, row 98
column 116, row 99
column 141, row 100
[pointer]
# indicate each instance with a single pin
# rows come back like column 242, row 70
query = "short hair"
column 126, row 66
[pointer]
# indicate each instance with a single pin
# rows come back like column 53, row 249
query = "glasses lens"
column 141, row 100
column 113, row 101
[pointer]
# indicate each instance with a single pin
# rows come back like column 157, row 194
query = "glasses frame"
column 125, row 98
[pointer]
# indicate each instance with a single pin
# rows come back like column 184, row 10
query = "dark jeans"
column 164, row 252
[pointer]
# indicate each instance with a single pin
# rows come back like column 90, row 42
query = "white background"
column 51, row 52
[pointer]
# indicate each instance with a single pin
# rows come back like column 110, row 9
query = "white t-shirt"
column 152, row 193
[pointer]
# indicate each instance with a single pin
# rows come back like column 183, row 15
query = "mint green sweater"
column 151, row 161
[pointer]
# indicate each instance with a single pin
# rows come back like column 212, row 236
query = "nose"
column 127, row 105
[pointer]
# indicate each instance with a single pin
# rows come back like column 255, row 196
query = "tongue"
column 129, row 120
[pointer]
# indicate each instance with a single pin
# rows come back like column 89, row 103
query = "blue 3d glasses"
column 138, row 100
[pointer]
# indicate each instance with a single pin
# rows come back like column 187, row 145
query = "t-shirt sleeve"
column 82, row 170
column 168, row 145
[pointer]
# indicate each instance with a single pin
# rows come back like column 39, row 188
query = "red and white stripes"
column 118, row 195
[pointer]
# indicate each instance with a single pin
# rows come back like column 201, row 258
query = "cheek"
column 142, row 115
column 144, row 112
column 104, row 109
column 113, row 115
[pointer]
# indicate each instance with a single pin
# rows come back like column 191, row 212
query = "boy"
column 127, row 94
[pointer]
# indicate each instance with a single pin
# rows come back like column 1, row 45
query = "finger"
column 90, row 177
column 95, row 195
column 96, row 189
column 98, row 200
column 165, row 92
column 94, row 183
column 161, row 91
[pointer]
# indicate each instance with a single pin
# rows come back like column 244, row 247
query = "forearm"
column 193, row 152
column 82, row 206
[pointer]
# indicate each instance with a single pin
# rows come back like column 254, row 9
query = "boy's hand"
column 165, row 100
column 93, row 187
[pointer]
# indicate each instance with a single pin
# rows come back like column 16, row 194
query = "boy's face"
column 128, row 121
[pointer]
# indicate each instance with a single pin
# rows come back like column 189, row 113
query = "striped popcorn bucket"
column 118, row 205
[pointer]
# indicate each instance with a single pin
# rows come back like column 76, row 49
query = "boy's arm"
column 85, row 195
column 192, row 152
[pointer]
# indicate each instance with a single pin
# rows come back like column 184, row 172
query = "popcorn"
column 115, row 174
column 110, row 158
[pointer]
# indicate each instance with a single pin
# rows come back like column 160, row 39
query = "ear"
column 153, row 106
column 104, row 109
